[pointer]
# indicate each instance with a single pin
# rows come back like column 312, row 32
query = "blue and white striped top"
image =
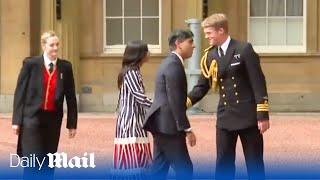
column 132, row 109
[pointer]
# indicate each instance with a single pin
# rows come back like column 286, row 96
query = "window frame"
column 280, row 48
column 119, row 49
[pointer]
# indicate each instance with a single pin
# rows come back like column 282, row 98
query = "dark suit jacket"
column 28, row 96
column 242, row 87
column 167, row 114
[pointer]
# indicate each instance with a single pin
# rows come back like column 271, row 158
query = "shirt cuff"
column 188, row 130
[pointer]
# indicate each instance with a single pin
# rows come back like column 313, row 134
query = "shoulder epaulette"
column 208, row 49
column 28, row 57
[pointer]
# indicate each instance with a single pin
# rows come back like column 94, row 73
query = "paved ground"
column 293, row 140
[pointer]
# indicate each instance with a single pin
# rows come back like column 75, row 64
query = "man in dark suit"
column 234, row 68
column 43, row 83
column 167, row 119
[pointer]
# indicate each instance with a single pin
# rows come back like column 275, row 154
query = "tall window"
column 126, row 20
column 277, row 25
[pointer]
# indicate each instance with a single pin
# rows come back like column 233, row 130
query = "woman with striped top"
column 132, row 155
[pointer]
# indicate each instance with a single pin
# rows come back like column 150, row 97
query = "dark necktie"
column 221, row 51
column 50, row 67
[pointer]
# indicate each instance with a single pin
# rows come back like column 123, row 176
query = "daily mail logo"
column 56, row 160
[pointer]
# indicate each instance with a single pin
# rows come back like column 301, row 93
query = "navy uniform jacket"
column 241, row 84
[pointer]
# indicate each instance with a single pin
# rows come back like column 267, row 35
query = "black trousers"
column 171, row 150
column 39, row 140
column 252, row 144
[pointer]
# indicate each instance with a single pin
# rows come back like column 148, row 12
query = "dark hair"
column 134, row 52
column 180, row 35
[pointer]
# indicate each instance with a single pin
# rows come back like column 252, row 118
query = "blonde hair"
column 46, row 35
column 217, row 20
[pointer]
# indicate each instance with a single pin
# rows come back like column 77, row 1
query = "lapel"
column 60, row 77
column 224, row 61
column 215, row 55
column 41, row 69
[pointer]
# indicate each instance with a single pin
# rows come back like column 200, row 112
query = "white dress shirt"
column 225, row 46
column 47, row 61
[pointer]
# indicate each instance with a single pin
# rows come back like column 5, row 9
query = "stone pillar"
column 193, row 70
column 15, row 46
column 194, row 61
column 48, row 15
column 68, row 30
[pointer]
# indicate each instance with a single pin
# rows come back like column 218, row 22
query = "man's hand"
column 72, row 133
column 16, row 129
column 191, row 138
column 263, row 125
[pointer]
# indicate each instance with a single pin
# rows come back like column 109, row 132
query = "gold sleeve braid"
column 263, row 107
column 207, row 73
column 188, row 103
column 212, row 72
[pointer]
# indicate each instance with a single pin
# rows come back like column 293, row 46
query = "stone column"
column 68, row 29
column 193, row 70
column 15, row 46
column 48, row 15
